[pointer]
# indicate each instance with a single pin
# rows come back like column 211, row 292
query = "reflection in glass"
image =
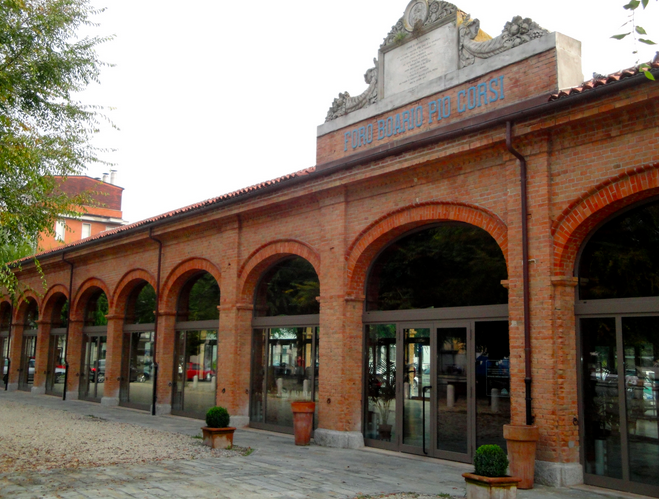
column 195, row 372
column 492, row 382
column 600, row 397
column 141, row 305
column 285, row 368
column 199, row 299
column 290, row 287
column 451, row 265
column 416, row 350
column 92, row 375
column 452, row 397
column 28, row 355
column 56, row 365
column 97, row 310
column 381, row 417
column 136, row 387
column 620, row 260
column 641, row 347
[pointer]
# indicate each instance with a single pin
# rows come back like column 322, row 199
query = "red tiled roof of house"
column 599, row 80
column 186, row 209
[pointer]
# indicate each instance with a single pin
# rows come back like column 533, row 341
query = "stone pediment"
column 432, row 39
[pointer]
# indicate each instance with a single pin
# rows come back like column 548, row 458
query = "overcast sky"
column 215, row 95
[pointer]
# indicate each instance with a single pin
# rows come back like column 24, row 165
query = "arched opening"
column 94, row 346
column 195, row 351
column 56, row 370
column 618, row 321
column 285, row 343
column 136, row 383
column 29, row 346
column 5, row 338
column 437, row 377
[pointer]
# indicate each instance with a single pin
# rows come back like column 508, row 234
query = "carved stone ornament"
column 419, row 13
column 515, row 33
column 345, row 104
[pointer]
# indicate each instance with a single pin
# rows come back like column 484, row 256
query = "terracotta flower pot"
column 485, row 487
column 522, row 442
column 218, row 438
column 303, row 421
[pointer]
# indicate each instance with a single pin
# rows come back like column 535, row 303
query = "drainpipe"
column 68, row 326
column 11, row 319
column 525, row 268
column 155, row 328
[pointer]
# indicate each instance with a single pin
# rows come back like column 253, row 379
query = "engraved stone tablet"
column 421, row 59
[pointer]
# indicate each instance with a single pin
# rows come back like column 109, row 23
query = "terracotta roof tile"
column 599, row 80
column 186, row 209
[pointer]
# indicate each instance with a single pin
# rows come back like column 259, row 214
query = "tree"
column 44, row 131
column 637, row 30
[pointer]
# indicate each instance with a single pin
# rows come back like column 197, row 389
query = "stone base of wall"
column 558, row 474
column 239, row 421
column 339, row 439
column 110, row 401
column 12, row 387
column 163, row 409
column 38, row 390
column 72, row 395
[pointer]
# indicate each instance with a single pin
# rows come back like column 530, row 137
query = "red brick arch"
column 582, row 215
column 126, row 285
column 385, row 229
column 21, row 307
column 50, row 299
column 180, row 275
column 86, row 289
column 266, row 255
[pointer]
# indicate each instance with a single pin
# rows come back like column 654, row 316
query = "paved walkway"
column 276, row 469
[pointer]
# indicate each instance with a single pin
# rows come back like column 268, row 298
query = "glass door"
column 195, row 373
column 4, row 350
column 437, row 388
column 56, row 365
column 620, row 397
column 136, row 387
column 92, row 375
column 26, row 370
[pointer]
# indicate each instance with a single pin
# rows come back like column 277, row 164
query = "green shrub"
column 490, row 460
column 217, row 417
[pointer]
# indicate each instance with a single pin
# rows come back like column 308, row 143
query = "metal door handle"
column 423, row 419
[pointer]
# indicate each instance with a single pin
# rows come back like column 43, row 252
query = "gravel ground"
column 36, row 438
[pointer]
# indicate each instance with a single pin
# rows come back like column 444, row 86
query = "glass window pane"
column 289, row 287
column 620, row 260
column 450, row 265
column 381, row 412
column 641, row 346
column 492, row 382
column 601, row 397
column 416, row 405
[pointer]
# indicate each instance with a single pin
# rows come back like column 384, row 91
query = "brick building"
column 103, row 214
column 403, row 282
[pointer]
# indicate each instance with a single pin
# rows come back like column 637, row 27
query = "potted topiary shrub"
column 217, row 432
column 489, row 480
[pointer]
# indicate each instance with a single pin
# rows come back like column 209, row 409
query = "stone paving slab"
column 276, row 469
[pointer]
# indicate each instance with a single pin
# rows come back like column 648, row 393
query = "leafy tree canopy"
column 44, row 131
column 637, row 32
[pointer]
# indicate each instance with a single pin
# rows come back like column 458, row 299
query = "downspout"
column 155, row 327
column 68, row 326
column 525, row 270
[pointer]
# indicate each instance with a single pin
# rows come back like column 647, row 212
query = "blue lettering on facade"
column 478, row 95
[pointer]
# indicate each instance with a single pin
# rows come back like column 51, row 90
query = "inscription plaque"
column 421, row 59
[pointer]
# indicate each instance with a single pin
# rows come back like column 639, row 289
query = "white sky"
column 215, row 95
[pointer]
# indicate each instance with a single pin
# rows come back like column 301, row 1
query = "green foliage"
column 204, row 299
column 289, row 288
column 44, row 131
column 145, row 305
column 490, row 460
column 636, row 30
column 217, row 417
